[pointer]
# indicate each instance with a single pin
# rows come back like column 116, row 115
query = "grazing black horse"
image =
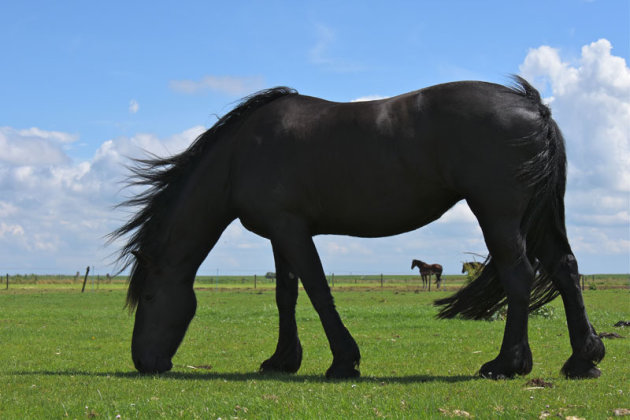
column 472, row 267
column 426, row 271
column 292, row 166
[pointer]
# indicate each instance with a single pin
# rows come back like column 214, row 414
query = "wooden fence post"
column 381, row 279
column 87, row 271
column 7, row 281
column 254, row 281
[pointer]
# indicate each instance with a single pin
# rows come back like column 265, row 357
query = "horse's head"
column 417, row 263
column 165, row 304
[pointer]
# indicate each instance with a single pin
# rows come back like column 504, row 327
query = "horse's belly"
column 382, row 216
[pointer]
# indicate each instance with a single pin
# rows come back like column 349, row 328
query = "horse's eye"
column 148, row 297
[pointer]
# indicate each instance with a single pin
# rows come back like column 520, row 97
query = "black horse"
column 292, row 166
column 426, row 271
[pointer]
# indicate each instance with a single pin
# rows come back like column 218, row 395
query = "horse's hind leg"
column 288, row 355
column 293, row 241
column 557, row 258
column 516, row 274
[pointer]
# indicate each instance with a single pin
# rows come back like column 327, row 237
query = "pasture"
column 67, row 354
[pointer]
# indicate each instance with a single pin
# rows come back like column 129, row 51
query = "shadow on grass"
column 254, row 376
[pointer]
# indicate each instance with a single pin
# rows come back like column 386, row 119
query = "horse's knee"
column 568, row 269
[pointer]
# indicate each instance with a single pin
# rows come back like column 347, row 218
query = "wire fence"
column 91, row 281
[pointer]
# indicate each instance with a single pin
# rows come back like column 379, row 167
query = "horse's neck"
column 200, row 213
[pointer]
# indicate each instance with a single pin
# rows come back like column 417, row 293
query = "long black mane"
column 163, row 177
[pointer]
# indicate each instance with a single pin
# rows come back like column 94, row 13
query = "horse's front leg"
column 292, row 240
column 288, row 355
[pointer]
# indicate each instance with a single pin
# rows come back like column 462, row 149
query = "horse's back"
column 380, row 167
column 349, row 168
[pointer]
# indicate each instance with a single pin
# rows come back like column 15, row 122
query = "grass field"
column 67, row 354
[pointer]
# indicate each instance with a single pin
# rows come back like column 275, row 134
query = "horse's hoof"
column 517, row 360
column 287, row 359
column 341, row 372
column 494, row 373
column 575, row 368
column 592, row 373
column 343, row 369
column 271, row 366
column 496, row 370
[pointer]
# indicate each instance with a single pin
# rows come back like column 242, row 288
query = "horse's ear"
column 142, row 258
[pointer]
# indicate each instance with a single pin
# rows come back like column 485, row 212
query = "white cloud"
column 55, row 213
column 7, row 209
column 12, row 230
column 230, row 85
column 460, row 213
column 33, row 146
column 322, row 53
column 133, row 106
column 51, row 135
column 369, row 98
column 590, row 100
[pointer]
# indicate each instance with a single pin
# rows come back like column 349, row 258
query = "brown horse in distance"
column 426, row 271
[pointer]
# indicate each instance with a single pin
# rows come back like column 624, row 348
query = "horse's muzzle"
column 152, row 364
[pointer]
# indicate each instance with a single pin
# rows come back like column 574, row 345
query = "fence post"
column 7, row 281
column 381, row 279
column 254, row 281
column 87, row 271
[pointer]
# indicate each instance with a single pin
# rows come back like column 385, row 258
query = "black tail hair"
column 546, row 173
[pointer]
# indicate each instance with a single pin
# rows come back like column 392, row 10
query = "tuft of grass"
column 67, row 354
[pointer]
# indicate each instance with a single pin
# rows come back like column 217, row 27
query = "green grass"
column 66, row 354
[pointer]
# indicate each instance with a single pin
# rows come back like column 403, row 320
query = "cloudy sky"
column 84, row 86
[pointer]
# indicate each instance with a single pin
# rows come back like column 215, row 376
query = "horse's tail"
column 546, row 173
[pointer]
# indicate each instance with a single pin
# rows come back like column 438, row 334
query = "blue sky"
column 83, row 85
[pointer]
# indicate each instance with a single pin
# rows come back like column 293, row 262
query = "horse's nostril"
column 163, row 365
column 152, row 365
column 138, row 364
